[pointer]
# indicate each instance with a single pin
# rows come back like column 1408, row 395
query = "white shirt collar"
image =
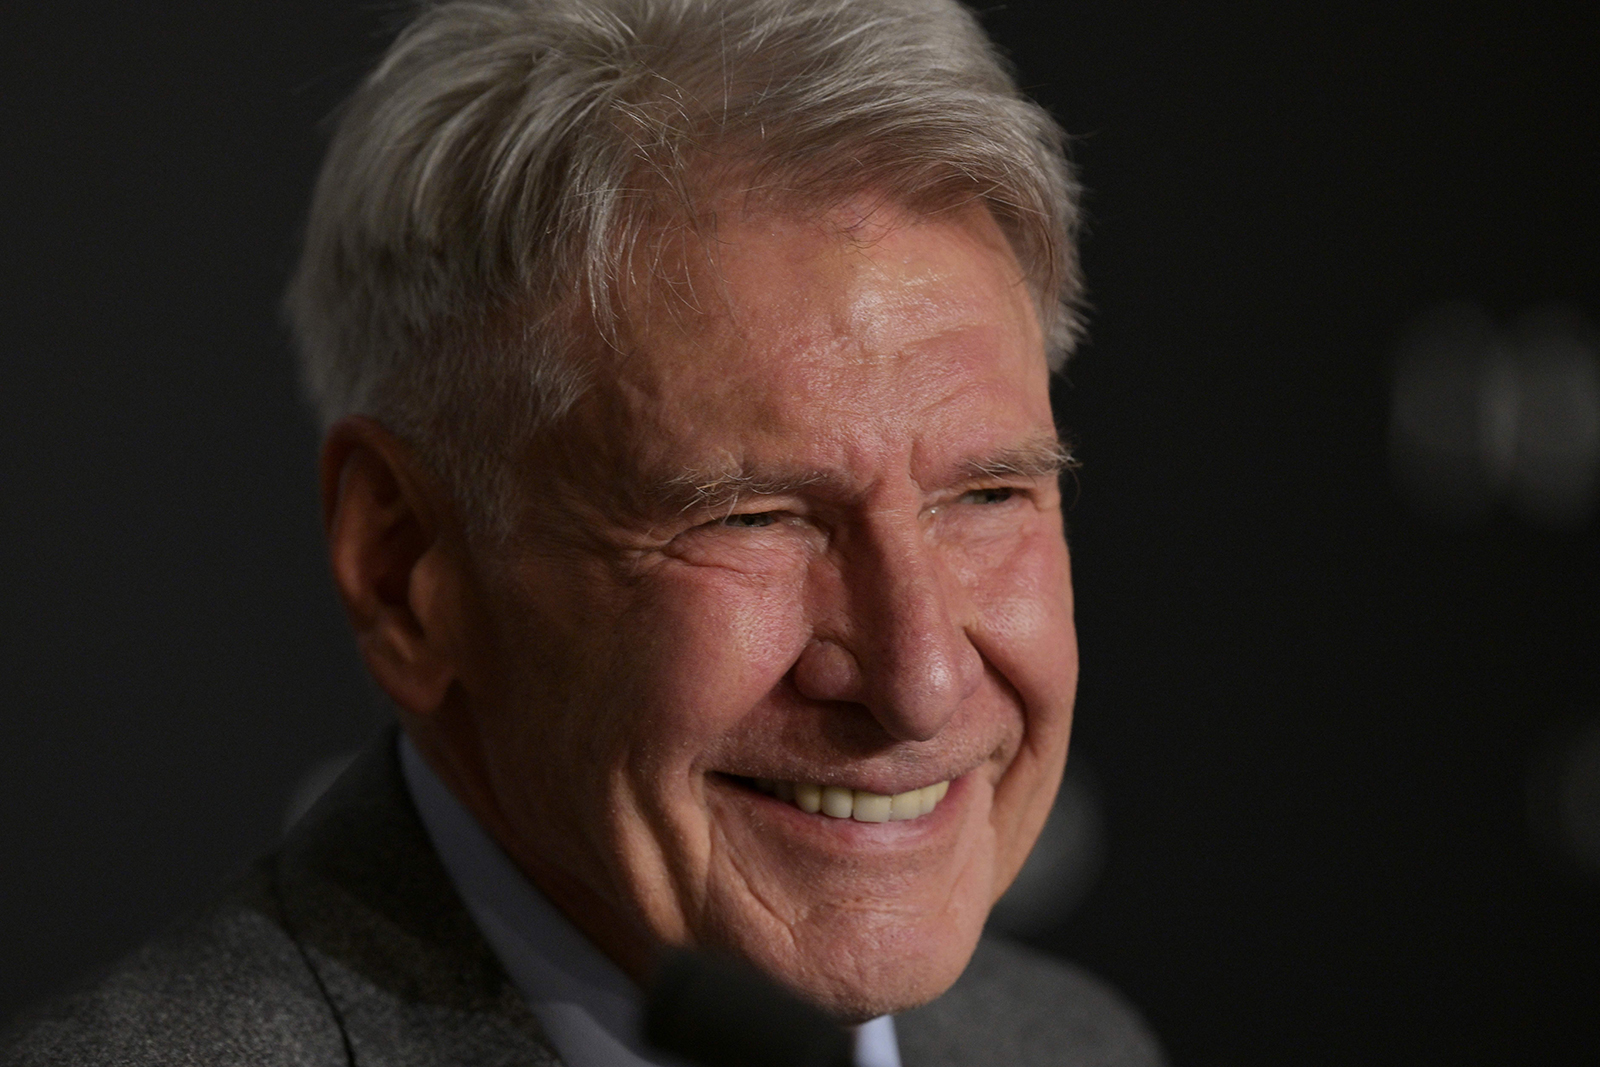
column 590, row 1010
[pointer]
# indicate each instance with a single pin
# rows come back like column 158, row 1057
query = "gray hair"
column 491, row 182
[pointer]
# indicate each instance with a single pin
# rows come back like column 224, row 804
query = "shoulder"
column 228, row 987
column 1014, row 1005
column 347, row 944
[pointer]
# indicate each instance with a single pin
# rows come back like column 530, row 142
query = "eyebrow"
column 712, row 488
column 1043, row 457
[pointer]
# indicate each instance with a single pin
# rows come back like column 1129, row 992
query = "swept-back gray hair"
column 489, row 185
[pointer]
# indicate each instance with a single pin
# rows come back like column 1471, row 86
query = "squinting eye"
column 750, row 520
column 990, row 496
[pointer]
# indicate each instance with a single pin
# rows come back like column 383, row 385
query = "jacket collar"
column 405, row 971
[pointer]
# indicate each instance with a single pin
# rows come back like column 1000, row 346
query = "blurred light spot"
column 1482, row 416
column 1566, row 796
column 1558, row 450
column 312, row 784
column 1064, row 864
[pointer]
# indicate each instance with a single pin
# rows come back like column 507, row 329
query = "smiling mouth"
column 840, row 802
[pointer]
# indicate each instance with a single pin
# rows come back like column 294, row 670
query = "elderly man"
column 690, row 481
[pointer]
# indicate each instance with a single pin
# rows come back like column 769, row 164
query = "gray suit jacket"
column 348, row 946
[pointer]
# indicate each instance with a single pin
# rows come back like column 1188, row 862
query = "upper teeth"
column 858, row 804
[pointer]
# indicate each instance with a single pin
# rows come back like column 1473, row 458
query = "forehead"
column 832, row 341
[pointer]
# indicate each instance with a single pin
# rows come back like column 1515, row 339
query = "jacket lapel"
column 406, row 973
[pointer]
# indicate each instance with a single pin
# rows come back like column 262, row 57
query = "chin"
column 891, row 982
column 865, row 965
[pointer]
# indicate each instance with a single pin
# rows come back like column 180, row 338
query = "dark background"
column 1315, row 717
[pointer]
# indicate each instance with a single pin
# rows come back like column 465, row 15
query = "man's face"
column 806, row 534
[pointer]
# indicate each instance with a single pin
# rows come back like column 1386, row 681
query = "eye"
column 750, row 520
column 993, row 495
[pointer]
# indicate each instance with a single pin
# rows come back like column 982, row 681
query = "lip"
column 885, row 782
column 794, row 823
column 878, row 786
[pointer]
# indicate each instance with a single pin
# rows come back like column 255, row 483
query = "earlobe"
column 395, row 562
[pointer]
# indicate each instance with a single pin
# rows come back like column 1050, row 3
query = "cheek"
column 676, row 665
column 703, row 649
column 1025, row 632
column 1023, row 626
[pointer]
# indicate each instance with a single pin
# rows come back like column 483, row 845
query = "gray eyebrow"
column 712, row 488
column 1046, row 457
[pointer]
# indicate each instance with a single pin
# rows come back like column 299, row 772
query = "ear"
column 398, row 562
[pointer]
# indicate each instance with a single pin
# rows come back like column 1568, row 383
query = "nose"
column 898, row 642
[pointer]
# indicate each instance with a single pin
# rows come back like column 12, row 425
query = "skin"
column 808, row 528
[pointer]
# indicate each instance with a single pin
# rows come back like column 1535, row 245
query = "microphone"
column 718, row 1012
